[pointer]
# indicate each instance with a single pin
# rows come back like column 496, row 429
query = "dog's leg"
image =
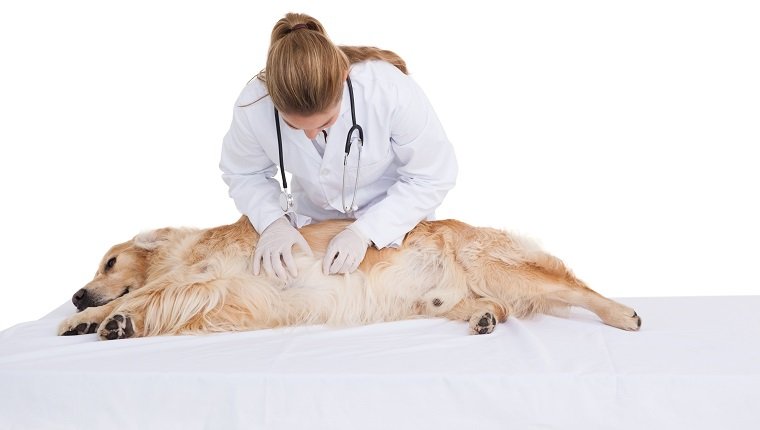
column 516, row 274
column 544, row 283
column 482, row 314
column 169, row 308
column 559, row 284
column 609, row 311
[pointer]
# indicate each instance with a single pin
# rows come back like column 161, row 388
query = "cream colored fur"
column 181, row 281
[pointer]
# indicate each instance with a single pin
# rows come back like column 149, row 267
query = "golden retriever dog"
column 174, row 281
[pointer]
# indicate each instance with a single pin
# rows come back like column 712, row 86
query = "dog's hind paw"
column 482, row 323
column 623, row 318
column 118, row 326
column 633, row 323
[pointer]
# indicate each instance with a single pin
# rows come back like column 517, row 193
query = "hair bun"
column 295, row 21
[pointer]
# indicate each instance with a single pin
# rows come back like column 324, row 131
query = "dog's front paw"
column 482, row 323
column 117, row 326
column 85, row 322
column 81, row 328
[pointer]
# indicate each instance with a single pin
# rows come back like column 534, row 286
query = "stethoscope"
column 286, row 199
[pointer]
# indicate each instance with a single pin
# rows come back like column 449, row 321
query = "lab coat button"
column 325, row 172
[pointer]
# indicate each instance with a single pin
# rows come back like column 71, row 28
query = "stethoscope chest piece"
column 286, row 201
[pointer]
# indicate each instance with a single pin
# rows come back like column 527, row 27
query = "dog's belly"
column 402, row 289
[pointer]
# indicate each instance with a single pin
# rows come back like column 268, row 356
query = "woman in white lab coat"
column 405, row 166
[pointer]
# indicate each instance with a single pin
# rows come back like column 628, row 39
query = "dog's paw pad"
column 482, row 323
column 117, row 327
column 83, row 328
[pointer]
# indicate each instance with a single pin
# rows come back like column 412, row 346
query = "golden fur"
column 190, row 281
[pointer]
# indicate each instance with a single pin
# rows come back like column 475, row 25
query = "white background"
column 621, row 135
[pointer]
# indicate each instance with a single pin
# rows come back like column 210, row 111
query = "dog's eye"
column 109, row 264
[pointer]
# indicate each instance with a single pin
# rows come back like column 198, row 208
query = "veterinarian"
column 358, row 136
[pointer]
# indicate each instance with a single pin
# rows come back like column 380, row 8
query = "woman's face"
column 312, row 125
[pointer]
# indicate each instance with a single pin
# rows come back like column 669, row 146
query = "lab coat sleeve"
column 427, row 169
column 249, row 173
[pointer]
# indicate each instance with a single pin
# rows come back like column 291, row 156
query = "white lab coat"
column 407, row 163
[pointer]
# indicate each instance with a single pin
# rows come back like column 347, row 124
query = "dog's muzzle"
column 82, row 300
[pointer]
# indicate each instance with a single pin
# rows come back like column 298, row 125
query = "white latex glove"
column 275, row 248
column 345, row 251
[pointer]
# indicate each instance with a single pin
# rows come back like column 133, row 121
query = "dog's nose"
column 79, row 297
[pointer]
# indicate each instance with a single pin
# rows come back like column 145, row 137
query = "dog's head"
column 123, row 269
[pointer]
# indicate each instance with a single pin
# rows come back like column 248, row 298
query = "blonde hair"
column 305, row 71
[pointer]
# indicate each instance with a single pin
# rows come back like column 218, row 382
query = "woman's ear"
column 152, row 239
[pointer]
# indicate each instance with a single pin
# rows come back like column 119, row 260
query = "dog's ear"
column 152, row 239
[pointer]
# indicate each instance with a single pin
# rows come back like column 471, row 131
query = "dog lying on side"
column 191, row 281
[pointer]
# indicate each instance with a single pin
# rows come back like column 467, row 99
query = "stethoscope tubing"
column 286, row 199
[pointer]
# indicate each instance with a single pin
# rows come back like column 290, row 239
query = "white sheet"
column 694, row 365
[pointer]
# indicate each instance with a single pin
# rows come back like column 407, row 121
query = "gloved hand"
column 345, row 251
column 275, row 248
